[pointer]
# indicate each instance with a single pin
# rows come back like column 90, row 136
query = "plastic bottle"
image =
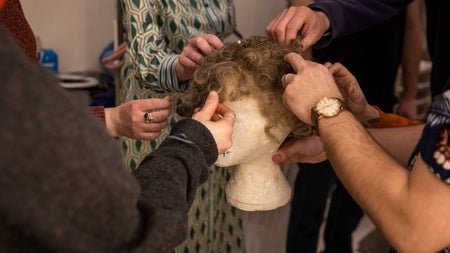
column 49, row 59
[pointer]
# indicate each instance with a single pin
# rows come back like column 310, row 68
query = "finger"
column 115, row 65
column 280, row 29
column 287, row 79
column 294, row 25
column 158, row 115
column 297, row 62
column 335, row 68
column 214, row 41
column 161, row 115
column 287, row 153
column 109, row 58
column 205, row 49
column 153, row 127
column 202, row 47
column 209, row 109
column 279, row 157
column 121, row 49
column 117, row 55
column 147, row 136
column 226, row 114
column 271, row 28
column 339, row 70
column 122, row 46
column 216, row 117
column 157, row 104
column 308, row 39
column 191, row 61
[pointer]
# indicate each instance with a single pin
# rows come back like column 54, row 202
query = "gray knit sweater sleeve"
column 169, row 179
column 63, row 186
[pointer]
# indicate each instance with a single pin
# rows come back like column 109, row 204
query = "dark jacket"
column 351, row 16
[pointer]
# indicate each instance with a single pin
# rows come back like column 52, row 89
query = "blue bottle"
column 49, row 59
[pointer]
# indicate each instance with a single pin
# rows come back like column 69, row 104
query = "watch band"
column 326, row 107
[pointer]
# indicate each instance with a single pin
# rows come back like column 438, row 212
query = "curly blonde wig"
column 248, row 68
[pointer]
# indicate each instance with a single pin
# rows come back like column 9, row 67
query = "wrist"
column 197, row 133
column 109, row 122
column 326, row 27
column 326, row 107
column 371, row 117
column 181, row 74
column 330, row 124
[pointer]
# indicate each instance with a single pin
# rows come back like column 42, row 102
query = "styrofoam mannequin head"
column 247, row 76
column 250, row 140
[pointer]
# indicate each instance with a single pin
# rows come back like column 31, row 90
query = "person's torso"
column 434, row 144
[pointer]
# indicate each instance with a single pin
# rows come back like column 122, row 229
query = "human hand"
column 309, row 24
column 407, row 108
column 353, row 95
column 308, row 149
column 219, row 119
column 312, row 82
column 193, row 54
column 114, row 61
column 128, row 119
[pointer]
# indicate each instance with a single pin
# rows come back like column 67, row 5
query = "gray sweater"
column 62, row 185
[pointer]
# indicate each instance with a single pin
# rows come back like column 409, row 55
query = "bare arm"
column 405, row 205
column 411, row 56
column 399, row 142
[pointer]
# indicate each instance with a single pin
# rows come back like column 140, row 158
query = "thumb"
column 306, row 43
column 208, row 110
column 285, row 153
column 279, row 157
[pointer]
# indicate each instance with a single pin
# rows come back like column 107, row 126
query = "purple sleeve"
column 351, row 16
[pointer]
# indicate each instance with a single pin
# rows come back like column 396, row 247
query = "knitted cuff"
column 197, row 133
column 98, row 111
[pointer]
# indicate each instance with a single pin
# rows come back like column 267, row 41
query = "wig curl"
column 251, row 67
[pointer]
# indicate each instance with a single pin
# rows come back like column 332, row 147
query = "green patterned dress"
column 156, row 32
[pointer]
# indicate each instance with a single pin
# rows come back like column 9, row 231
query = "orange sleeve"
column 394, row 120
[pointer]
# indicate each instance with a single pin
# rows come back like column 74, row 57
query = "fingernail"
column 276, row 158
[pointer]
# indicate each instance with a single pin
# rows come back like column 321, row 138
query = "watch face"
column 328, row 107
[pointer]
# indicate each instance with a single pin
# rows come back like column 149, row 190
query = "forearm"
column 371, row 176
column 178, row 165
column 181, row 159
column 412, row 50
column 399, row 142
column 392, row 196
column 169, row 178
column 360, row 163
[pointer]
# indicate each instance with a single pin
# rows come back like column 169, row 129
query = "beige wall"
column 254, row 15
column 78, row 30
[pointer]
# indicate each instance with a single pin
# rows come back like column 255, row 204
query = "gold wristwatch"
column 326, row 107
